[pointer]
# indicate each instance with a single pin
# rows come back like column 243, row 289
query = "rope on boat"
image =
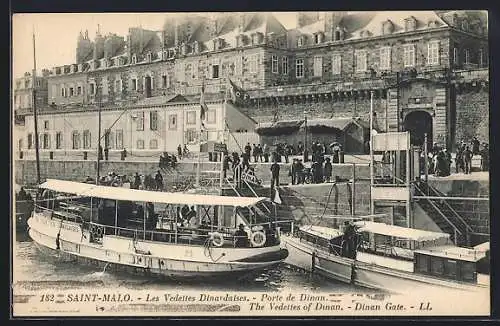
column 327, row 202
column 208, row 249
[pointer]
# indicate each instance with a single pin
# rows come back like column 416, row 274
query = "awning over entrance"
column 279, row 127
column 285, row 127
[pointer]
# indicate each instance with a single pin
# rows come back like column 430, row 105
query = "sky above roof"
column 56, row 34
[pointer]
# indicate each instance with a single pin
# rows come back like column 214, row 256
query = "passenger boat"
column 387, row 257
column 144, row 231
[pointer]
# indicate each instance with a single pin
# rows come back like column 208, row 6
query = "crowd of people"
column 319, row 170
column 440, row 159
column 137, row 181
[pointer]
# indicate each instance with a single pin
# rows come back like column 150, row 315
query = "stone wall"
column 472, row 115
column 338, row 108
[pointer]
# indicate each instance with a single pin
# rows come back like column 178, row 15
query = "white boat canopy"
column 119, row 193
column 399, row 232
column 321, row 231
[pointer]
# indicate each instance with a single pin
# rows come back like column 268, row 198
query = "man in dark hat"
column 241, row 237
column 275, row 175
column 328, row 170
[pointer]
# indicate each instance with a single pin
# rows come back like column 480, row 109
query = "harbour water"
column 36, row 269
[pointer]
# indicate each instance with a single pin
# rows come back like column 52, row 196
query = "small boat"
column 387, row 257
column 144, row 230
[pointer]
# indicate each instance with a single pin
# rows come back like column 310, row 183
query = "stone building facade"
column 425, row 67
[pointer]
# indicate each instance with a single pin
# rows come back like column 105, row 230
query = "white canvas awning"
column 321, row 231
column 119, row 193
column 399, row 232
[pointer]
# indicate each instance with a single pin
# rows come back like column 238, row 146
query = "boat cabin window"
column 444, row 267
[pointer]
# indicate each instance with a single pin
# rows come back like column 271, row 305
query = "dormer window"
column 93, row 65
column 365, row 33
column 300, row 41
column 134, row 59
column 318, row 38
column 183, row 49
column 338, row 35
column 218, row 44
column 387, row 27
column 241, row 40
column 103, row 63
column 196, row 47
column 432, row 24
column 257, row 38
column 149, row 56
column 271, row 38
column 410, row 24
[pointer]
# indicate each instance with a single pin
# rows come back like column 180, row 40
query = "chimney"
column 129, row 44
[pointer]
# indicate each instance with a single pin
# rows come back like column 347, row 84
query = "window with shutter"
column 76, row 140
column 153, row 120
column 274, row 64
column 318, row 66
column 172, row 122
column 299, row 68
column 361, row 60
column 140, row 121
column 385, row 58
column 284, row 65
column 30, row 141
column 86, row 139
column 337, row 64
column 433, row 53
column 58, row 140
column 409, row 55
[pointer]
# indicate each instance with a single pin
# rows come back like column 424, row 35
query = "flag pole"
column 202, row 103
column 35, row 116
column 197, row 180
column 372, row 170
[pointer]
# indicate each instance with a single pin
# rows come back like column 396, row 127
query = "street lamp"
column 306, row 154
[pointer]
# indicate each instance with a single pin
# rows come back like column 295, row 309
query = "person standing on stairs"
column 159, row 181
column 179, row 151
column 275, row 175
column 225, row 164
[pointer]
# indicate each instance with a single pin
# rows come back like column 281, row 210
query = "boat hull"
column 310, row 258
column 151, row 257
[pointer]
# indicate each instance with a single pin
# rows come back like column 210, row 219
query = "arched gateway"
column 418, row 123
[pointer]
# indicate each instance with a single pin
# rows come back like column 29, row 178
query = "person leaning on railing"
column 241, row 237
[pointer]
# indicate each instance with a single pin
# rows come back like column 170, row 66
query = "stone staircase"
column 441, row 212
